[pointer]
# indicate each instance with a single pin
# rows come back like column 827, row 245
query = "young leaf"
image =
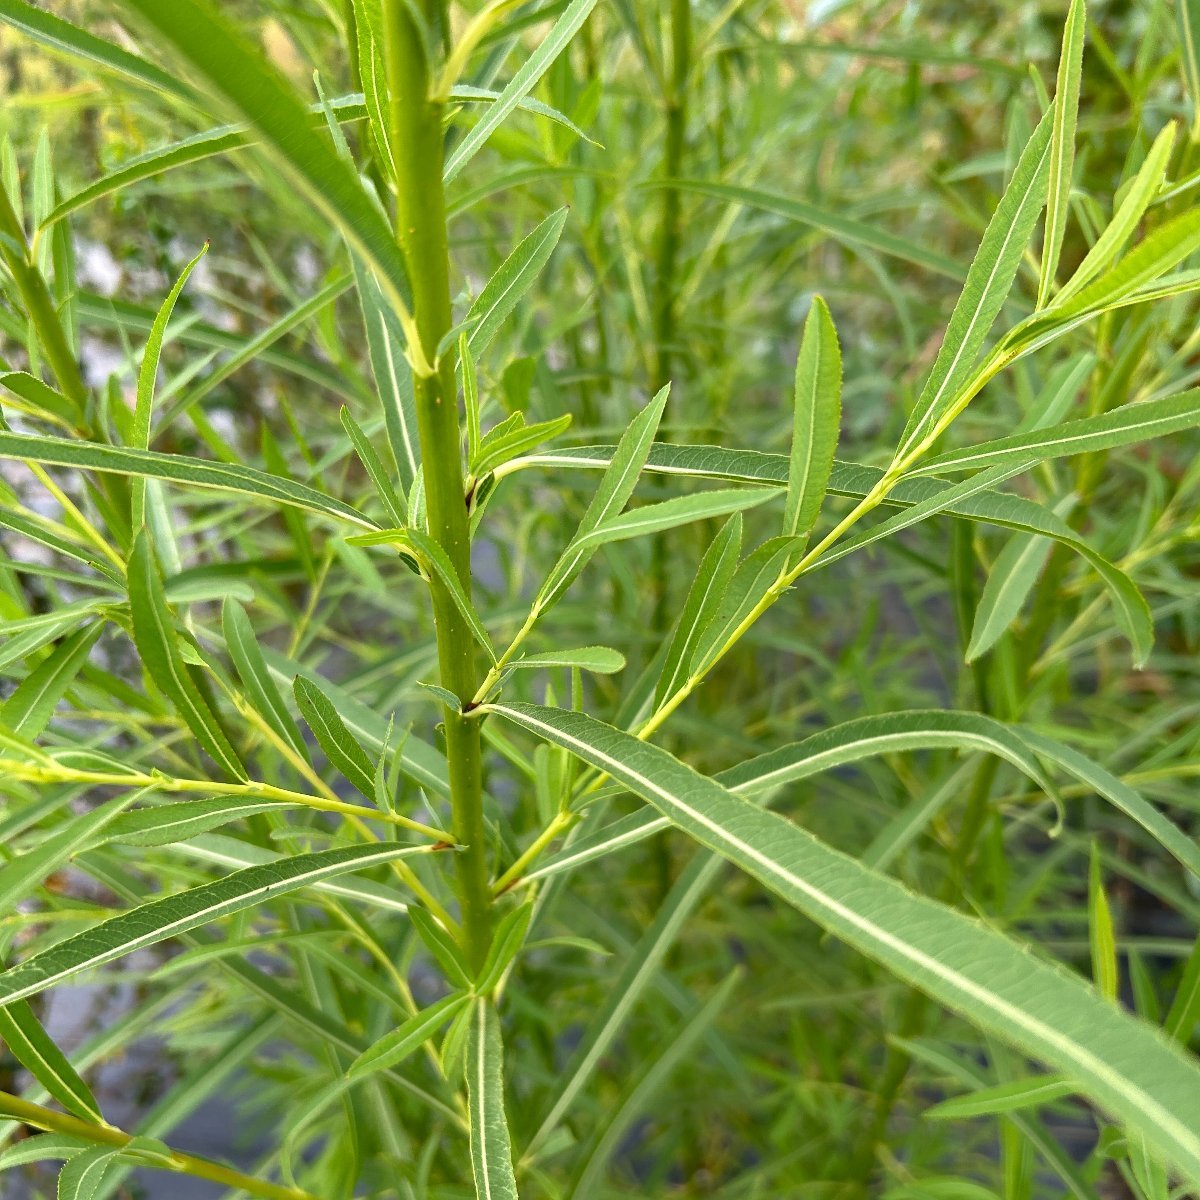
column 159, row 649
column 1119, row 1062
column 29, row 709
column 1132, row 208
column 700, row 607
column 987, row 286
column 669, row 514
column 1124, row 426
column 436, row 559
column 521, row 84
column 33, row 1048
column 506, row 945
column 181, row 820
column 1105, row 973
column 616, row 486
column 1004, row 1098
column 511, row 281
column 41, row 397
column 600, row 660
column 147, row 374
column 491, row 1150
column 393, row 376
column 442, row 946
column 158, row 919
column 394, row 1047
column 817, row 412
column 511, row 439
column 340, row 746
column 1062, row 145
column 755, row 576
column 255, row 675
column 1011, row 579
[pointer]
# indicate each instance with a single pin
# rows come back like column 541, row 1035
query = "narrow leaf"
column 340, row 746
column 987, row 286
column 511, row 281
column 29, row 709
column 816, row 414
column 158, row 647
column 33, row 1048
column 160, row 919
column 1122, row 1064
column 1062, row 145
column 255, row 675
column 491, row 1150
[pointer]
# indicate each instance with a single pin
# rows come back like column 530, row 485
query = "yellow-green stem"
column 107, row 1135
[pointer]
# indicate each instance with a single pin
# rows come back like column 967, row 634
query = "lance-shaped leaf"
column 1187, row 13
column 255, row 675
column 816, row 415
column 1130, row 211
column 670, row 514
column 35, row 1050
column 147, row 374
column 987, row 286
column 512, row 438
column 511, row 281
column 600, row 660
column 393, row 501
column 172, row 915
column 340, row 746
column 40, row 397
column 761, row 778
column 616, row 486
column 244, row 83
column 754, row 578
column 1122, row 1064
column 1003, row 1098
column 177, row 468
column 396, row 1046
column 1119, row 794
column 491, row 1149
column 521, row 84
column 158, row 647
column 82, row 1176
column 1062, row 145
column 703, row 601
column 78, row 43
column 181, row 820
column 29, row 709
column 1124, row 426
column 1009, row 583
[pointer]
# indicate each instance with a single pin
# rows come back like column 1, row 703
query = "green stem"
column 107, row 1135
column 669, row 231
column 418, row 140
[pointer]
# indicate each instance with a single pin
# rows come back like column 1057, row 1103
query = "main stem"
column 418, row 145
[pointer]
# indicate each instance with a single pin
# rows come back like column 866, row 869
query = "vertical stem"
column 669, row 231
column 417, row 135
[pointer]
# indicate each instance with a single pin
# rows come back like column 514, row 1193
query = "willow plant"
column 349, row 859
